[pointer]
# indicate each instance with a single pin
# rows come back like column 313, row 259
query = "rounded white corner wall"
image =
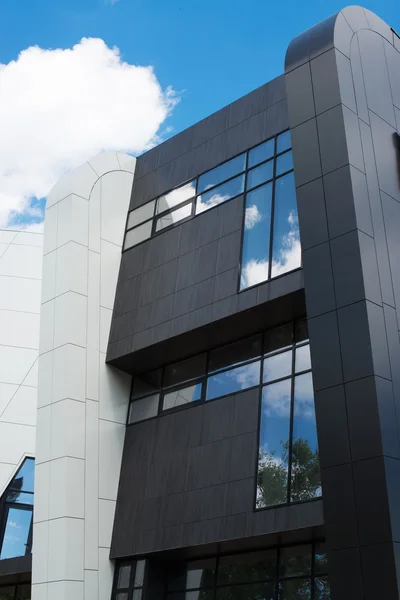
column 82, row 402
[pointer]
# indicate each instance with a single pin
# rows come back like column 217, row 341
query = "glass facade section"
column 271, row 240
column 284, row 573
column 16, row 513
column 129, row 580
column 21, row 591
column 271, row 243
column 288, row 460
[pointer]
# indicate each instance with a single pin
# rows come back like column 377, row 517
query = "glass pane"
column 306, row 479
column 137, row 595
column 255, row 591
column 199, row 595
column 220, row 194
column 19, row 497
column 262, row 173
column 200, row 573
column 278, row 338
column 225, row 171
column 174, row 217
column 284, row 163
column 137, row 235
column 25, row 476
column 274, row 444
column 253, row 566
column 286, row 253
column 185, row 370
column 277, row 366
column 303, row 358
column 322, row 589
column 7, row 592
column 256, row 236
column 321, row 559
column 145, row 408
column 177, row 196
column 122, row 596
column 283, row 142
column 295, row 589
column 234, row 354
column 143, row 213
column 147, row 383
column 124, row 576
column 176, row 577
column 192, row 393
column 23, row 592
column 261, row 153
column 16, row 533
column 139, row 573
column 301, row 331
column 229, row 382
column 295, row 560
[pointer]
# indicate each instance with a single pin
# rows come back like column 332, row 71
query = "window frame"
column 7, row 505
column 193, row 200
column 115, row 590
column 276, row 580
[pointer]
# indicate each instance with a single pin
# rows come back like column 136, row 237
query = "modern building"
column 218, row 406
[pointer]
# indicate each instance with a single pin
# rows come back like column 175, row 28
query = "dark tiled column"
column 343, row 86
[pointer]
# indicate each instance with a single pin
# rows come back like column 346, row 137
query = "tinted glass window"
column 322, row 589
column 256, row 236
column 219, row 174
column 261, row 153
column 177, row 196
column 260, row 174
column 200, row 573
column 283, row 142
column 284, row 163
column 23, row 592
column 19, row 497
column 246, row 567
column 286, row 252
column 16, row 534
column 147, row 383
column 305, row 479
column 295, row 560
column 145, row 408
column 278, row 366
column 321, row 558
column 139, row 573
column 274, row 444
column 264, row 591
column 25, row 476
column 301, row 331
column 295, row 589
column 7, row 592
column 234, row 354
column 303, row 358
column 184, row 395
column 220, row 194
column 143, row 213
column 185, row 370
column 174, row 217
column 235, row 380
column 122, row 596
column 137, row 235
column 278, row 338
column 124, row 576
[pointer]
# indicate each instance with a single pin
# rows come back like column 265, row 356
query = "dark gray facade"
column 188, row 478
column 344, row 135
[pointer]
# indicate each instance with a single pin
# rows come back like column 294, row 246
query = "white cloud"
column 253, row 272
column 210, row 202
column 252, row 217
column 60, row 107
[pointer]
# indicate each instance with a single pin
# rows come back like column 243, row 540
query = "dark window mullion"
column 289, row 490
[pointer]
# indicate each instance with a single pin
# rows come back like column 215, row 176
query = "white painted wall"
column 82, row 402
column 20, row 283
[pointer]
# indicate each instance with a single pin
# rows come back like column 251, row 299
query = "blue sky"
column 213, row 50
column 65, row 100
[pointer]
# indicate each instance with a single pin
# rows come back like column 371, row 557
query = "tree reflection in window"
column 16, row 510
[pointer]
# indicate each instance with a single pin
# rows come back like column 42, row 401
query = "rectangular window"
column 141, row 214
column 288, row 572
column 288, row 460
column 129, row 580
column 222, row 173
column 176, row 197
column 220, row 194
column 173, row 217
column 286, row 250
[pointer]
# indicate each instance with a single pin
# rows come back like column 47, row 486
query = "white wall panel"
column 83, row 402
column 20, row 275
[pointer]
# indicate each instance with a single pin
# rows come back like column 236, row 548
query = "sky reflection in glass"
column 286, row 251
